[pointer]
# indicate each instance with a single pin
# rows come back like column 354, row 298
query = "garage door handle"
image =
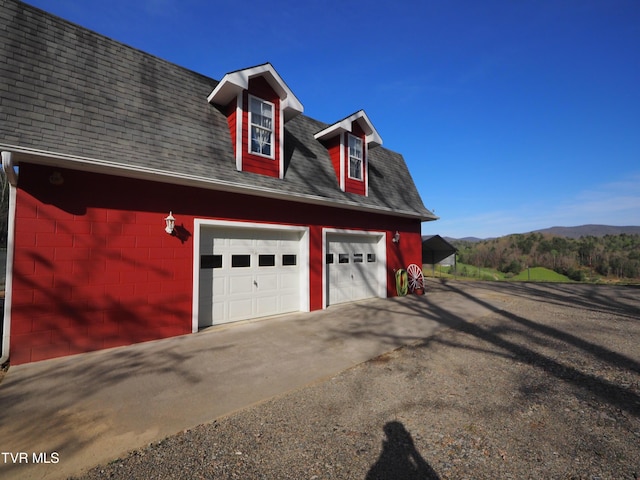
column 255, row 283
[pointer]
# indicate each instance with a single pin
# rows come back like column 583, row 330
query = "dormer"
column 257, row 103
column 348, row 142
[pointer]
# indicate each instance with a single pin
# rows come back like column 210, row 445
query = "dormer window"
column 257, row 104
column 348, row 142
column 261, row 121
column 355, row 157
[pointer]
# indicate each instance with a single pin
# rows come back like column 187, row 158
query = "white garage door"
column 247, row 273
column 351, row 268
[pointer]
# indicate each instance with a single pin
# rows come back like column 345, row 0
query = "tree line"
column 578, row 259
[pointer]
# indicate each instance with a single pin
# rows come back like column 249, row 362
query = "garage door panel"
column 351, row 267
column 239, row 309
column 240, row 284
column 267, row 283
column 289, row 302
column 249, row 279
column 289, row 281
column 218, row 286
column 267, row 305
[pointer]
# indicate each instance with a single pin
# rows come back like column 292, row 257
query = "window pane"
column 265, row 116
column 371, row 257
column 343, row 258
column 261, row 126
column 288, row 260
column 355, row 157
column 240, row 261
column 354, row 168
column 329, row 258
column 260, row 141
column 357, row 258
column 210, row 261
column 266, row 260
column 355, row 147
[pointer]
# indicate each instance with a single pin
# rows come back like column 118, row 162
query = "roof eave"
column 92, row 165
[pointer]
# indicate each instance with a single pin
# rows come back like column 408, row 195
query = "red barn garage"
column 149, row 201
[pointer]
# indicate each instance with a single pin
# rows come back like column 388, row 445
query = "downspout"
column 12, row 177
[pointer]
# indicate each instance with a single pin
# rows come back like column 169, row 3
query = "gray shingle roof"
column 68, row 91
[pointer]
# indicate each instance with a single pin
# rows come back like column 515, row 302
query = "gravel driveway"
column 547, row 386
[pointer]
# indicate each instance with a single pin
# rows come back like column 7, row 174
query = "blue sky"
column 513, row 115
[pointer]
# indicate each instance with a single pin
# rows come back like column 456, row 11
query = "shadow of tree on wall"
column 99, row 270
column 399, row 458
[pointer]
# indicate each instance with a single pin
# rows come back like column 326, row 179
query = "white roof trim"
column 345, row 125
column 87, row 164
column 235, row 82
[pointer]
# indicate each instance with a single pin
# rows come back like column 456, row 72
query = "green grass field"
column 540, row 274
column 536, row 274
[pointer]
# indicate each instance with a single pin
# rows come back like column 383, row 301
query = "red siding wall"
column 260, row 88
column 94, row 267
column 333, row 147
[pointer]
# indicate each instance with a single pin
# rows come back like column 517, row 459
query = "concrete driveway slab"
column 60, row 417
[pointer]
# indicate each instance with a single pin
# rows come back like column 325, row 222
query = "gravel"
column 547, row 386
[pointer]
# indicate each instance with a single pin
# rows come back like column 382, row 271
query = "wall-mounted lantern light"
column 396, row 237
column 171, row 223
column 56, row 179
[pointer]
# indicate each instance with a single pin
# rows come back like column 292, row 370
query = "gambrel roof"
column 71, row 97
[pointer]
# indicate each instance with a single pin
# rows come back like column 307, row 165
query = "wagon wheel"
column 416, row 279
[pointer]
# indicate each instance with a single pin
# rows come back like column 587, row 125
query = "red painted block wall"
column 93, row 267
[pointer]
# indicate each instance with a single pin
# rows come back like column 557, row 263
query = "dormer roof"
column 235, row 82
column 346, row 125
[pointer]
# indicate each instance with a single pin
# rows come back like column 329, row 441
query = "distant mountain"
column 465, row 239
column 568, row 232
column 588, row 230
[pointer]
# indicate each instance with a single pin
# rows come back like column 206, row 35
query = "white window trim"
column 361, row 179
column 239, row 133
column 250, row 126
column 342, row 161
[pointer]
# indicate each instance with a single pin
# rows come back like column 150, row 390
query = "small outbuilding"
column 436, row 249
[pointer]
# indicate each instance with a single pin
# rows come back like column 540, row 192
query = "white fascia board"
column 346, row 125
column 372, row 136
column 233, row 83
column 333, row 130
column 41, row 157
column 224, row 92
